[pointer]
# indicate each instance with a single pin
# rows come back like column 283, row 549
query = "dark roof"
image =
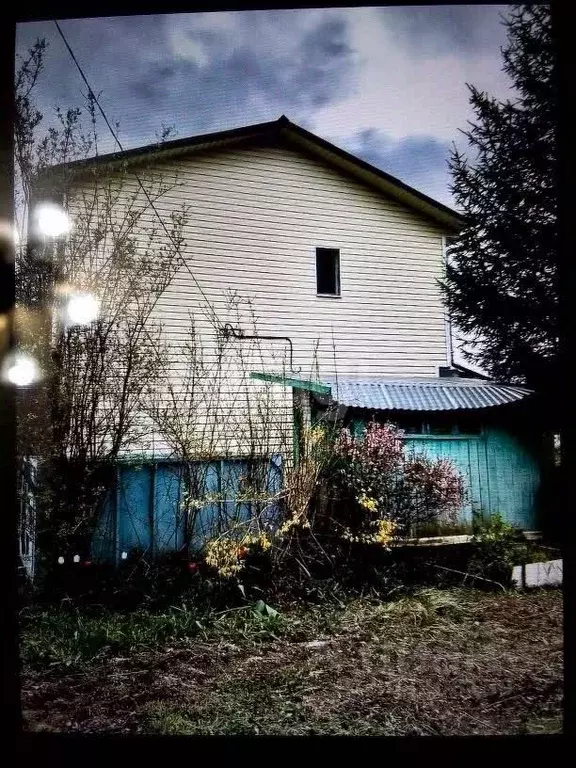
column 297, row 136
column 422, row 394
column 469, row 372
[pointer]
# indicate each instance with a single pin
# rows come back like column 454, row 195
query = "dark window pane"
column 328, row 271
column 413, row 427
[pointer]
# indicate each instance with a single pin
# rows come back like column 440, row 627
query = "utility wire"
column 93, row 96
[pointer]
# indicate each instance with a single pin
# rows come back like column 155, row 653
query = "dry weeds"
column 445, row 663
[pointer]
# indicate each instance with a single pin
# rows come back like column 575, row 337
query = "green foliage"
column 62, row 638
column 265, row 611
column 501, row 282
column 70, row 638
column 496, row 548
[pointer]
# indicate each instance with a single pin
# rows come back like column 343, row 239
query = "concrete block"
column 547, row 574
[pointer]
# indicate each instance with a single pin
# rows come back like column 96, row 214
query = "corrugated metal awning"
column 422, row 394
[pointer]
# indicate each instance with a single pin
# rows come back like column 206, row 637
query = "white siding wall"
column 256, row 217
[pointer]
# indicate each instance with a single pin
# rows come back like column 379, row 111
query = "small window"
column 413, row 426
column 328, row 271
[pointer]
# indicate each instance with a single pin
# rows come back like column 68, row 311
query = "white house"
column 339, row 262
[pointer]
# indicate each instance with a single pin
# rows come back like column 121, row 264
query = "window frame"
column 456, row 431
column 338, row 251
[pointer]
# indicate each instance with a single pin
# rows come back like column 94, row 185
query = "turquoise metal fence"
column 144, row 509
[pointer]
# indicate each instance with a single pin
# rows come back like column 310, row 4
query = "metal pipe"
column 237, row 333
column 447, row 320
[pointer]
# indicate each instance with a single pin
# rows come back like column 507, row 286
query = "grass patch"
column 72, row 638
column 64, row 638
column 437, row 662
column 546, row 725
column 165, row 721
column 429, row 606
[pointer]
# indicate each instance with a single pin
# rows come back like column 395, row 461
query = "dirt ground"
column 475, row 664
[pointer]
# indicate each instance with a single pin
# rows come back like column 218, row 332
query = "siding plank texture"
column 256, row 216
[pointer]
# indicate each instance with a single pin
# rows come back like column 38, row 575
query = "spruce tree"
column 501, row 280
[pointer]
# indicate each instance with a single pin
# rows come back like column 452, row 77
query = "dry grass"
column 448, row 662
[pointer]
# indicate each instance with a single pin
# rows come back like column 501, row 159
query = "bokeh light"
column 20, row 369
column 81, row 308
column 51, row 220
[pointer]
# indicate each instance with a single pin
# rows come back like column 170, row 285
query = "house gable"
column 288, row 134
column 257, row 215
column 258, row 209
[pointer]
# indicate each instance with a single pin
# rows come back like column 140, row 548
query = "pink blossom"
column 405, row 488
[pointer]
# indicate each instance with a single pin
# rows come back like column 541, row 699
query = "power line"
column 93, row 96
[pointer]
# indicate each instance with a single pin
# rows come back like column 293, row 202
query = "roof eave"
column 165, row 150
column 369, row 174
column 425, row 396
column 375, row 177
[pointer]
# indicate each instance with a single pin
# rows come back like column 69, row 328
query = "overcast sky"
column 387, row 84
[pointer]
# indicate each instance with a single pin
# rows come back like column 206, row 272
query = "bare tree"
column 205, row 406
column 88, row 409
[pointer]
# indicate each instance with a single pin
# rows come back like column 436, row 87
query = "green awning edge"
column 286, row 381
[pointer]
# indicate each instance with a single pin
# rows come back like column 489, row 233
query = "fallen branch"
column 301, row 564
column 472, row 576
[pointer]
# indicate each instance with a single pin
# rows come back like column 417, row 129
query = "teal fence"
column 501, row 474
column 145, row 509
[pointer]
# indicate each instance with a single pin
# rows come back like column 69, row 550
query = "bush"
column 343, row 503
column 384, row 491
column 496, row 548
column 348, row 498
column 137, row 582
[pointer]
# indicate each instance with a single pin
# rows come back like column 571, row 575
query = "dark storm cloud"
column 261, row 66
column 112, row 51
column 335, row 72
column 420, row 162
column 324, row 63
column 109, row 49
column 466, row 30
column 317, row 72
column 223, row 92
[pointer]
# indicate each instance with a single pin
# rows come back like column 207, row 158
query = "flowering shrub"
column 302, row 481
column 380, row 449
column 227, row 555
column 433, row 488
column 345, row 490
column 377, row 482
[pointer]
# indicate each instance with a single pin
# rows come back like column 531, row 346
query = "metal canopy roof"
column 292, row 381
column 422, row 394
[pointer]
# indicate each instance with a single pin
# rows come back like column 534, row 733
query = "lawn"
column 441, row 662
